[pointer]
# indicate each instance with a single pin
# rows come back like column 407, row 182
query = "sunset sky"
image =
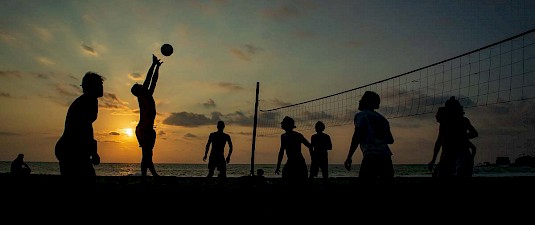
column 297, row 51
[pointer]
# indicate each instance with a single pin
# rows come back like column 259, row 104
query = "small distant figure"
column 260, row 179
column 217, row 160
column 260, row 173
column 321, row 144
column 295, row 170
column 19, row 167
column 76, row 150
column 455, row 132
column 372, row 132
column 145, row 133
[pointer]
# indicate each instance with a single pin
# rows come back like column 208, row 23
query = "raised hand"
column 156, row 61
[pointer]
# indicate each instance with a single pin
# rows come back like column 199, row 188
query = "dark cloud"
column 111, row 101
column 229, row 86
column 68, row 90
column 190, row 135
column 239, row 118
column 135, row 76
column 317, row 115
column 43, row 76
column 4, row 133
column 10, row 73
column 5, row 95
column 161, row 132
column 88, row 49
column 187, row 119
column 114, row 133
column 209, row 104
column 247, row 52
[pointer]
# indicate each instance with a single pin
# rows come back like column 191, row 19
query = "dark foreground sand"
column 253, row 186
column 339, row 198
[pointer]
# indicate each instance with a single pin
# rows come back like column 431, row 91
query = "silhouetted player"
column 295, row 170
column 321, row 143
column 218, row 140
column 372, row 133
column 145, row 133
column 76, row 150
column 455, row 132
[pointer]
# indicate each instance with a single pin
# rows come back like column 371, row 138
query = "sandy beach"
column 185, row 187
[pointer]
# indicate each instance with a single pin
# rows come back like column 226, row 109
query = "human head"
column 220, row 125
column 370, row 100
column 454, row 106
column 136, row 89
column 20, row 156
column 320, row 126
column 287, row 123
column 260, row 172
column 92, row 84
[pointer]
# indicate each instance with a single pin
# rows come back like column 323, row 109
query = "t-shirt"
column 375, row 132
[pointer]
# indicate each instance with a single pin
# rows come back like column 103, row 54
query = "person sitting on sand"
column 19, row 167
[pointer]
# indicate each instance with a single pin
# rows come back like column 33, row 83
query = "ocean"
column 238, row 170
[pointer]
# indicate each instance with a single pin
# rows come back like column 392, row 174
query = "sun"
column 129, row 132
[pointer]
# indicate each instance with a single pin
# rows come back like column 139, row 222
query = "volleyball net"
column 497, row 73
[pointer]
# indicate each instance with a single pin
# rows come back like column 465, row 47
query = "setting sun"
column 129, row 132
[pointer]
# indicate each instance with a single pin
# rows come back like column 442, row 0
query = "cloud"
column 275, row 103
column 4, row 133
column 68, row 90
column 5, row 95
column 187, row 119
column 190, row 136
column 135, row 76
column 43, row 33
column 161, row 132
column 246, row 52
column 239, row 118
column 10, row 73
column 114, row 133
column 111, row 101
column 88, row 49
column 209, row 104
column 229, row 86
column 43, row 76
column 45, row 61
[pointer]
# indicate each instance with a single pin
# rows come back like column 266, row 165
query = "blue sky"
column 296, row 50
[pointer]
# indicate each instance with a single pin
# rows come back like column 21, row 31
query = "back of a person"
column 293, row 141
column 321, row 142
column 377, row 133
column 219, row 141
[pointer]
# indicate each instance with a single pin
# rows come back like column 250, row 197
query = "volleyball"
column 166, row 49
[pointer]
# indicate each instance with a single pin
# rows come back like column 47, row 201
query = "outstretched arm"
column 207, row 148
column 229, row 149
column 472, row 132
column 436, row 150
column 155, row 75
column 279, row 158
column 148, row 78
column 355, row 140
column 309, row 145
